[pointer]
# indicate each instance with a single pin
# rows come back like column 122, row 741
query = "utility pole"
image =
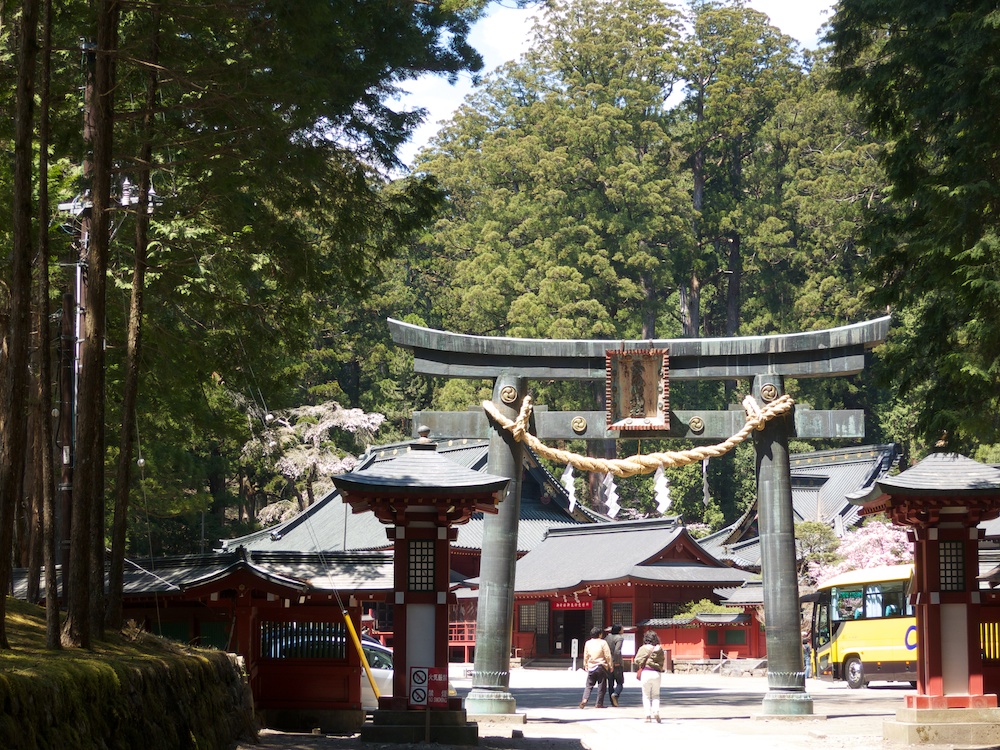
column 80, row 209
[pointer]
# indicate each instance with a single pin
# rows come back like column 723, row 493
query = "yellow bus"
column 863, row 627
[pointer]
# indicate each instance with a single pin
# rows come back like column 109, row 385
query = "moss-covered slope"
column 126, row 692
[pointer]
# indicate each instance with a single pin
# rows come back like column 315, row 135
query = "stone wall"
column 725, row 667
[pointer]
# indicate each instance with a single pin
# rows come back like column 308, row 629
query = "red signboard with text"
column 588, row 604
column 437, row 688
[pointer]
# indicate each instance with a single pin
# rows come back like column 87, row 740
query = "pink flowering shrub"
column 875, row 544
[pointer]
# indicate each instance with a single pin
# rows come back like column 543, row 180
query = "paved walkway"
column 703, row 712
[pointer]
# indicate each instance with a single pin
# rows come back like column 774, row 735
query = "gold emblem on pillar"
column 508, row 394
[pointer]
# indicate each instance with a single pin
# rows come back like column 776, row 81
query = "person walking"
column 648, row 664
column 616, row 679
column 597, row 663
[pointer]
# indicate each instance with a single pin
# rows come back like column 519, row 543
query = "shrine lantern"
column 421, row 495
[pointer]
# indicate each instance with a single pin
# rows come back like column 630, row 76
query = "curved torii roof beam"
column 831, row 352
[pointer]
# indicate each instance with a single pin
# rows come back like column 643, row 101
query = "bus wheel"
column 854, row 673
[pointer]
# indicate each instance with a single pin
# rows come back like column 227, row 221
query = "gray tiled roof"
column 572, row 557
column 419, row 469
column 938, row 474
column 329, row 524
column 299, row 572
column 703, row 618
column 749, row 594
column 821, row 484
column 674, row 573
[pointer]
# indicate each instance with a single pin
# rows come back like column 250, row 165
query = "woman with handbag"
column 648, row 663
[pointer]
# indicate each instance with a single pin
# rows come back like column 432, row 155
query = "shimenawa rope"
column 639, row 464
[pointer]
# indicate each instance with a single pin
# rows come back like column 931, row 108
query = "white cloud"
column 504, row 34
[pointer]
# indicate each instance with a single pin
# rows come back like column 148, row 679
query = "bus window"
column 847, row 603
column 873, row 600
column 821, row 623
column 892, row 596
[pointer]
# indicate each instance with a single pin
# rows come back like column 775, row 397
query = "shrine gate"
column 636, row 404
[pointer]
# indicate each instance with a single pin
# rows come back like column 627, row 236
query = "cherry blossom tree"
column 874, row 544
column 306, row 446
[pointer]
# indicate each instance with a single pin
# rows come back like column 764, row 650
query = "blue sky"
column 504, row 33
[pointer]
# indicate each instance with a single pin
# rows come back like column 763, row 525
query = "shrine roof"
column 701, row 618
column 821, row 482
column 669, row 573
column 329, row 524
column 419, row 470
column 750, row 593
column 938, row 475
column 303, row 572
column 572, row 557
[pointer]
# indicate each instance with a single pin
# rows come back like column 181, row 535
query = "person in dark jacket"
column 616, row 679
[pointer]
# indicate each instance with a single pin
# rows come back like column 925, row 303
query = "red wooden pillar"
column 421, row 571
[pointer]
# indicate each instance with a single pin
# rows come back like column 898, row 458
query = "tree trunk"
column 13, row 412
column 691, row 307
column 123, row 476
column 85, row 617
column 33, row 500
column 734, row 288
column 46, row 466
column 734, row 299
column 650, row 304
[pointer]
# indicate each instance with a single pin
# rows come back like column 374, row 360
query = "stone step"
column 467, row 734
column 384, row 717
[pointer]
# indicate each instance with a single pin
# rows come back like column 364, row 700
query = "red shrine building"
column 637, row 574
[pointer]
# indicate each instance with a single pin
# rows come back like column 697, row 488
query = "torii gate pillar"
column 490, row 692
column 786, row 683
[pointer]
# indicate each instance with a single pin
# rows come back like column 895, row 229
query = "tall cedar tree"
column 924, row 73
column 14, row 417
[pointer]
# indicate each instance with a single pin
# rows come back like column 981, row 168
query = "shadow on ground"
column 285, row 741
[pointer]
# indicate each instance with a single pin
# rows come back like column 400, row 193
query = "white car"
column 380, row 660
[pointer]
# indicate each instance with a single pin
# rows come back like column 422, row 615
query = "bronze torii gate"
column 511, row 363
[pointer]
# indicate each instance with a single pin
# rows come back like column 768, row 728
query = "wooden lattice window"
column 526, row 618
column 621, row 613
column 542, row 617
column 951, row 562
column 420, row 568
column 665, row 610
column 597, row 614
column 302, row 640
